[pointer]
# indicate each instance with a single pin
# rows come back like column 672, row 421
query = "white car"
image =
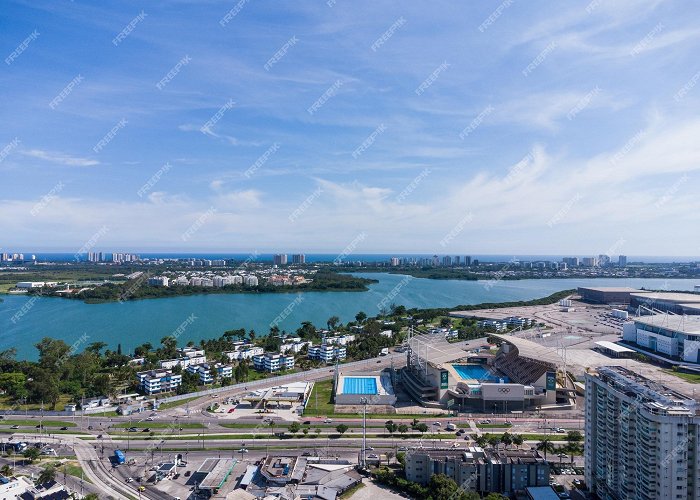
column 243, row 450
column 129, row 479
column 437, row 424
column 328, row 421
column 149, row 419
column 373, row 456
column 455, row 445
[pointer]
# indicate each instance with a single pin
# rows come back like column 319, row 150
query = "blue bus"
column 119, row 456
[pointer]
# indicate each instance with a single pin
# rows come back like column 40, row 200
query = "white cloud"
column 60, row 158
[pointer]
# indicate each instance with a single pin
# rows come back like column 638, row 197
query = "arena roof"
column 680, row 297
column 675, row 322
column 532, row 350
column 611, row 289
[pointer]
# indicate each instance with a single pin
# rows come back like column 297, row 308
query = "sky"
column 337, row 126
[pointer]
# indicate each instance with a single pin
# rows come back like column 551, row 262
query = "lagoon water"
column 136, row 322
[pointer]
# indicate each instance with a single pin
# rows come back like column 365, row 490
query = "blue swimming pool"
column 477, row 372
column 359, row 385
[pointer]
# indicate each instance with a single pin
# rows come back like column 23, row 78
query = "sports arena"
column 521, row 375
column 374, row 388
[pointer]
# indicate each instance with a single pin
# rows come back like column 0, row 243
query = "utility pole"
column 364, row 433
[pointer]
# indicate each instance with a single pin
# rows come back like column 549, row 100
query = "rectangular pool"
column 477, row 372
column 359, row 385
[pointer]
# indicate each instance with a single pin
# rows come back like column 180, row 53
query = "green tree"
column 518, row 440
column 305, row 430
column 31, row 454
column 47, row 474
column 341, row 428
column 389, row 456
column 317, row 431
column 14, row 384
column 391, row 427
column 507, row 439
column 574, row 437
column 360, row 317
column 333, row 322
column 403, row 429
column 493, row 440
column 422, row 428
column 440, row 486
column 272, row 427
column 294, row 427
column 6, row 470
column 546, row 446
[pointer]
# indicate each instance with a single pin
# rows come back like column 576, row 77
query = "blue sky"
column 514, row 127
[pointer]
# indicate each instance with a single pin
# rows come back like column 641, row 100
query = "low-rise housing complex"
column 481, row 470
column 272, row 362
column 327, row 353
column 157, row 381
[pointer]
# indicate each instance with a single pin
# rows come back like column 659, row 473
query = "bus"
column 119, row 457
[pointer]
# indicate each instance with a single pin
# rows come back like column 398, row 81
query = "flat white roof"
column 605, row 344
column 675, row 322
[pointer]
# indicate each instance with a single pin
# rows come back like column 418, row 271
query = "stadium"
column 521, row 375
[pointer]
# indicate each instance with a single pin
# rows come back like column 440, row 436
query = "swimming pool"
column 359, row 385
column 477, row 372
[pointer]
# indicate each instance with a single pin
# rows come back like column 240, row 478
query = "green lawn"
column 72, row 469
column 690, row 377
column 494, row 426
column 173, row 404
column 159, row 425
column 320, row 400
column 35, row 421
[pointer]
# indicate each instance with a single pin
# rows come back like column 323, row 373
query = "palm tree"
column 546, row 446
column 47, row 474
column 574, row 449
column 403, row 429
column 481, row 441
column 272, row 427
column 360, row 317
column 6, row 470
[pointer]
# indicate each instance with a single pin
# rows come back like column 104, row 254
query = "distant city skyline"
column 345, row 127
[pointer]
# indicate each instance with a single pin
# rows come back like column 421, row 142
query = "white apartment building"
column 159, row 281
column 247, row 352
column 251, row 280
column 641, row 439
column 327, row 353
column 157, row 381
column 209, row 373
column 294, row 347
column 340, row 339
column 272, row 362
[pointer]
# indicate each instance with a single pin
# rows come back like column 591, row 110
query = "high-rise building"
column 298, row 258
column 280, row 259
column 603, row 260
column 570, row 261
column 642, row 438
column 622, row 260
column 436, row 261
column 394, row 261
column 590, row 261
column 467, row 260
column 447, row 261
column 456, row 260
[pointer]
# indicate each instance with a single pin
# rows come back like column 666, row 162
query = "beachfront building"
column 209, row 373
column 327, row 353
column 245, row 351
column 157, row 381
column 272, row 362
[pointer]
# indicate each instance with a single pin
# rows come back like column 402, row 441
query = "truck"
column 119, row 457
column 451, row 427
column 384, row 352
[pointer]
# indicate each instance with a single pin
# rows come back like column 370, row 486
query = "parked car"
column 188, row 473
column 146, row 430
column 132, row 429
column 15, row 427
column 64, row 428
column 403, row 448
column 243, row 450
column 149, row 419
column 129, row 479
column 306, row 454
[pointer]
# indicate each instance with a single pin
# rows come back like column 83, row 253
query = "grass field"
column 35, row 421
column 173, row 404
column 320, row 399
column 494, row 426
column 7, row 404
column 159, row 425
column 689, row 377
